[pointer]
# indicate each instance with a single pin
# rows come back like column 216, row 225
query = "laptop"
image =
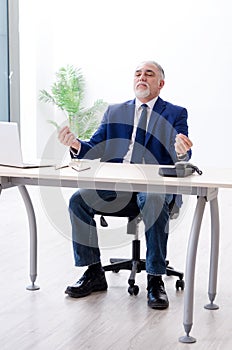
column 10, row 148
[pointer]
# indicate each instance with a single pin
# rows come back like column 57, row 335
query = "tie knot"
column 144, row 105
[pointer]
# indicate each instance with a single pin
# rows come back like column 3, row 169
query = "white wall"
column 190, row 38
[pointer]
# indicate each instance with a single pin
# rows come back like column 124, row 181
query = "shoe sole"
column 76, row 295
column 158, row 306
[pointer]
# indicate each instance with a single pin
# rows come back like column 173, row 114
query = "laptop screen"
column 10, row 147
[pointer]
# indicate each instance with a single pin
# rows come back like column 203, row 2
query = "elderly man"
column 144, row 130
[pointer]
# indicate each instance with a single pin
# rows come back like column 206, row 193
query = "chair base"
column 136, row 265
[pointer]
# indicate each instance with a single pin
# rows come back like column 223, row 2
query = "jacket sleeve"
column 181, row 126
column 94, row 148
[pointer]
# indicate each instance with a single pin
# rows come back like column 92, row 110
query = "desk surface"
column 118, row 176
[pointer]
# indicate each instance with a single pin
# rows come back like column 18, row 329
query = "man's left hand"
column 182, row 144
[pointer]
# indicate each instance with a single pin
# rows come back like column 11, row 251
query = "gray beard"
column 142, row 94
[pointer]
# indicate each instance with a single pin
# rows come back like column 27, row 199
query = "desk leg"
column 190, row 270
column 214, row 254
column 33, row 236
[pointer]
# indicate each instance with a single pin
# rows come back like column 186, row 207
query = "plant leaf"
column 67, row 93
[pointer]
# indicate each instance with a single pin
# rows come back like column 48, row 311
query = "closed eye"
column 148, row 73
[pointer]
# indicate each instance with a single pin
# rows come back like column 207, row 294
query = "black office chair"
column 136, row 264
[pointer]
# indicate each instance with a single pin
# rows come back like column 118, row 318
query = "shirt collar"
column 150, row 103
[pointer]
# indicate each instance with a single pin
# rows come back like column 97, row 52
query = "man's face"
column 147, row 82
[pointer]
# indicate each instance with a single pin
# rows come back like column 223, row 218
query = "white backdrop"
column 191, row 39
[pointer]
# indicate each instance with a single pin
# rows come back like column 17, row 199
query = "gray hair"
column 158, row 66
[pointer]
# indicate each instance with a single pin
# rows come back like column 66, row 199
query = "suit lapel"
column 154, row 118
column 129, row 113
column 155, row 115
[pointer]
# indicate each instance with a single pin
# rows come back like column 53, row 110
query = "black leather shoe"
column 88, row 283
column 157, row 297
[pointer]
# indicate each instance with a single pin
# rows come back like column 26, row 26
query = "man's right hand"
column 67, row 138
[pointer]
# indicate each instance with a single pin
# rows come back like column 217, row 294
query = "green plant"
column 67, row 94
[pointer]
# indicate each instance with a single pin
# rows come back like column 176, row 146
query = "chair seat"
column 130, row 210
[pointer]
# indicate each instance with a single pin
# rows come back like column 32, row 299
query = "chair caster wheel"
column 180, row 284
column 133, row 290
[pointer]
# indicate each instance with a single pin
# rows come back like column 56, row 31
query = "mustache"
column 141, row 83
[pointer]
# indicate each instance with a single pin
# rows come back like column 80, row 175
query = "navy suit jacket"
column 111, row 140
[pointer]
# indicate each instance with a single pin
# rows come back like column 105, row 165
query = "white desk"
column 128, row 177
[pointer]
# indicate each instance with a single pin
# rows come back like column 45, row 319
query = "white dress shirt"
column 138, row 111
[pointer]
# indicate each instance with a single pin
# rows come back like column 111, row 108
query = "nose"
column 142, row 77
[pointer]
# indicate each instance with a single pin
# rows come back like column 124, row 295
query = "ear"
column 161, row 84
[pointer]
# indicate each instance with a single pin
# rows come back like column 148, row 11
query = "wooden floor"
column 112, row 320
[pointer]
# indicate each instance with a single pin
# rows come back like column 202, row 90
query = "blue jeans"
column 155, row 213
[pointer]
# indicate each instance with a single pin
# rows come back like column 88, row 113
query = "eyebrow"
column 147, row 71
